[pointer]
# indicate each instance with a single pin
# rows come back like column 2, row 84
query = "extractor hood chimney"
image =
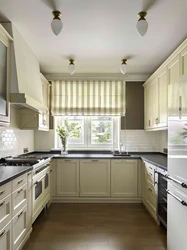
column 26, row 87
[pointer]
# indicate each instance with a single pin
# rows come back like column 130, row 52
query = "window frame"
column 87, row 138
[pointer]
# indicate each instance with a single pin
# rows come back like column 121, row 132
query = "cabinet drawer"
column 5, row 211
column 19, row 228
column 18, row 182
column 5, row 237
column 5, row 190
column 149, row 173
column 151, row 197
column 19, row 199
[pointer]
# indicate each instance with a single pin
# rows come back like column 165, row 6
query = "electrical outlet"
column 165, row 150
column 25, row 150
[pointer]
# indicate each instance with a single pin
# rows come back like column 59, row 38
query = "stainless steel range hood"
column 26, row 87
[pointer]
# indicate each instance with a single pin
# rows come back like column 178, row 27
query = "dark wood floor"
column 96, row 227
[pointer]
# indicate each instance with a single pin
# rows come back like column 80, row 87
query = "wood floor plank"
column 96, row 227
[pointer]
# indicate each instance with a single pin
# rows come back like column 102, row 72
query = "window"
column 96, row 132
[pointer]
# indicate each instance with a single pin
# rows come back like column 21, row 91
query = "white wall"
column 12, row 139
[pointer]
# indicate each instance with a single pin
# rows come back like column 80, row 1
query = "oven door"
column 41, row 185
column 162, row 199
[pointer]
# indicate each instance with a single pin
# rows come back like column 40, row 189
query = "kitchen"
column 87, row 192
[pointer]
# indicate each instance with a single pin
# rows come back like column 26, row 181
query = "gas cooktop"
column 22, row 160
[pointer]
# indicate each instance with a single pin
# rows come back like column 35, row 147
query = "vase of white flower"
column 68, row 130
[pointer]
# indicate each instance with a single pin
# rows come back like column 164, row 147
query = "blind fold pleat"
column 88, row 98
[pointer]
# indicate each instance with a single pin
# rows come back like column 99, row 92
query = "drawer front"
column 5, row 211
column 5, row 238
column 5, row 190
column 18, row 182
column 149, row 173
column 19, row 199
column 151, row 197
column 19, row 227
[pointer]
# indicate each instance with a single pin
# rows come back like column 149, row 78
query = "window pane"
column 74, row 140
column 101, row 130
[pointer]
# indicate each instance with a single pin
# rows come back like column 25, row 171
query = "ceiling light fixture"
column 56, row 23
column 123, row 66
column 142, row 24
column 71, row 66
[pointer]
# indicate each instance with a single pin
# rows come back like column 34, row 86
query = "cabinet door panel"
column 5, row 238
column 95, row 178
column 124, row 178
column 174, row 70
column 154, row 103
column 163, row 99
column 67, row 177
column 5, row 211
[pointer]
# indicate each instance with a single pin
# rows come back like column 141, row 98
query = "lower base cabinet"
column 67, row 178
column 124, row 178
column 95, row 178
column 19, row 228
column 5, row 237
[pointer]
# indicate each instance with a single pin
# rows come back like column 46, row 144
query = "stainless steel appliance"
column 177, row 165
column 41, row 179
column 162, row 195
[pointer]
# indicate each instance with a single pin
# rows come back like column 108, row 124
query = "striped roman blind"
column 88, row 98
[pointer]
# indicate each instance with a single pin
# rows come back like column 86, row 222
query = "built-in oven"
column 162, row 196
column 41, row 189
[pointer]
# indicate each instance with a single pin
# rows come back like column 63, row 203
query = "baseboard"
column 24, row 240
column 94, row 200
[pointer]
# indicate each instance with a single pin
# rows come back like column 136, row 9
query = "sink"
column 121, row 154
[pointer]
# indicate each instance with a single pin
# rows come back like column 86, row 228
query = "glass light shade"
column 142, row 26
column 56, row 26
column 71, row 68
column 123, row 68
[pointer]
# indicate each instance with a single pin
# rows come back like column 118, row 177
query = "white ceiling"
column 99, row 33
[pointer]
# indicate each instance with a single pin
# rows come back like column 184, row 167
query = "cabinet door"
column 151, row 198
column 67, row 178
column 143, row 181
column 5, row 238
column 184, row 61
column 95, row 178
column 19, row 199
column 154, row 103
column 29, row 199
column 5, row 211
column 124, row 178
column 174, row 70
column 163, row 99
column 19, row 227
column 147, row 107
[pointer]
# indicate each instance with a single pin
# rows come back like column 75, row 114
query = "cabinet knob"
column 2, row 234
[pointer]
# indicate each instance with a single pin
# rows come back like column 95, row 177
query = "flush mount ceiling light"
column 142, row 24
column 71, row 66
column 123, row 66
column 56, row 23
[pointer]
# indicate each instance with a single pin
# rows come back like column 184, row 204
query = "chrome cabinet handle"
column 94, row 160
column 2, row 192
column 29, row 173
column 180, row 107
column 184, row 185
column 149, row 123
column 177, row 198
column 20, row 181
column 40, row 179
column 2, row 234
column 150, row 190
column 2, row 203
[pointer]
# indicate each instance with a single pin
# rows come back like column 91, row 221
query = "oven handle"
column 40, row 179
column 177, row 198
column 184, row 185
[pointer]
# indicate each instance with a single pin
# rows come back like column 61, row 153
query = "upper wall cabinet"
column 156, row 88
column 5, row 41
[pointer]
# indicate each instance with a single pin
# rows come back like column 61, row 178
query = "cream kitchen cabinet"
column 156, row 102
column 149, row 189
column 67, row 178
column 184, row 61
column 95, row 178
column 6, row 237
column 124, row 178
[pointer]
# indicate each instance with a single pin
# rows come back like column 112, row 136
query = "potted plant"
column 68, row 130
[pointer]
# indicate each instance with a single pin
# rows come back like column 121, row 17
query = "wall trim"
column 127, row 77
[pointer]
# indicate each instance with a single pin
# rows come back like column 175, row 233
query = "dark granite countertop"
column 8, row 173
column 156, row 158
